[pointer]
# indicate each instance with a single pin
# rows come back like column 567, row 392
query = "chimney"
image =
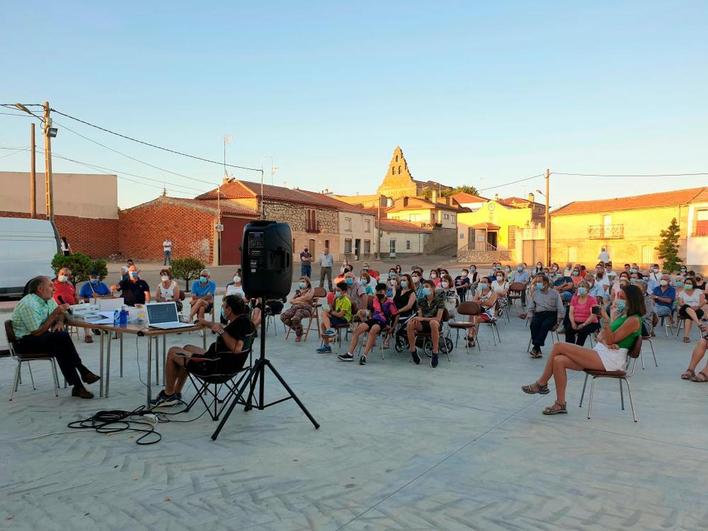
column 531, row 198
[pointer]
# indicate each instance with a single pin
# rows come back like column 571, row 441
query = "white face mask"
column 237, row 279
column 62, row 278
column 165, row 278
column 445, row 284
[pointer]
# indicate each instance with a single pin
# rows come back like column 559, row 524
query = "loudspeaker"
column 266, row 259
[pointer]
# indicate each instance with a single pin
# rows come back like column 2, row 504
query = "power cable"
column 511, row 182
column 632, row 175
column 155, row 146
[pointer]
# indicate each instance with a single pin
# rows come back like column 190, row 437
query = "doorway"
column 311, row 247
column 357, row 249
column 492, row 240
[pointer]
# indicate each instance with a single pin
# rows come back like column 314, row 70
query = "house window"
column 446, row 217
column 326, row 244
column 462, row 235
column 311, row 221
column 701, row 228
column 367, row 225
column 367, row 247
column 392, row 246
column 348, row 224
column 347, row 246
column 408, row 245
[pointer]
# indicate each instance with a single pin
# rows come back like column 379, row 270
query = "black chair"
column 210, row 388
column 27, row 358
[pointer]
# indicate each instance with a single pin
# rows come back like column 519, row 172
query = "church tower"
column 398, row 181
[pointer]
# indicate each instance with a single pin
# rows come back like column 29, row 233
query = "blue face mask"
column 582, row 290
column 620, row 304
column 302, row 285
column 404, row 284
column 427, row 291
column 202, row 279
column 222, row 314
column 539, row 286
column 349, row 281
column 337, row 293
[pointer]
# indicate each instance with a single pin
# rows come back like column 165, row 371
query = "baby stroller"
column 423, row 341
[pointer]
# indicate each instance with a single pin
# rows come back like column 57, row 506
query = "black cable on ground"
column 117, row 420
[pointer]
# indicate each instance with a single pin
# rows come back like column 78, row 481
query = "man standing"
column 326, row 265
column 38, row 322
column 305, row 263
column 167, row 250
column 604, row 256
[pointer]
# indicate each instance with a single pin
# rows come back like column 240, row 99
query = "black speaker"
column 266, row 259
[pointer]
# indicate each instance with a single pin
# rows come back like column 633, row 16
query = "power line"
column 149, row 144
column 512, row 182
column 631, row 175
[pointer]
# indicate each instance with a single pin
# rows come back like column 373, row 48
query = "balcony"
column 605, row 232
column 313, row 227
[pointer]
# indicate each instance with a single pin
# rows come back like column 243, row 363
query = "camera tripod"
column 256, row 378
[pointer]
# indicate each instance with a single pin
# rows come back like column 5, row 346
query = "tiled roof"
column 245, row 189
column 464, row 197
column 635, row 202
column 395, row 225
column 417, row 203
column 227, row 207
column 517, row 202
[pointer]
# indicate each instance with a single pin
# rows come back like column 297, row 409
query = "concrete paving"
column 400, row 447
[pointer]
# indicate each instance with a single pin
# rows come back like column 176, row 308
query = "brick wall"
column 145, row 227
column 97, row 238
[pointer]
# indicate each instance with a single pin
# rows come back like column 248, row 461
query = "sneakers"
column 345, row 357
column 362, row 360
column 330, row 332
column 434, row 360
column 165, row 400
column 325, row 349
column 416, row 358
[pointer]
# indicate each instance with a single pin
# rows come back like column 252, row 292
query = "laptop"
column 163, row 315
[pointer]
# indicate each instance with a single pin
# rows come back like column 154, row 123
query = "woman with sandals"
column 618, row 333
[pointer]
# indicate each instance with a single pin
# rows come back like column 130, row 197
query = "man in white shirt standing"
column 326, row 265
column 604, row 256
column 167, row 251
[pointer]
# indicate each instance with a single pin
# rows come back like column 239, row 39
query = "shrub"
column 186, row 269
column 79, row 263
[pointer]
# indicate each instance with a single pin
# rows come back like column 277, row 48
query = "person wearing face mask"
column 576, row 277
column 225, row 356
column 538, row 269
column 235, row 287
column 435, row 277
column 500, row 285
column 94, row 288
column 462, row 284
column 555, row 273
column 617, row 286
column 380, row 316
column 683, row 271
column 619, row 333
column 545, row 310
column 700, row 282
column 653, row 278
column 203, row 291
column 690, row 307
column 368, row 283
column 355, row 290
column 326, row 265
column 487, row 299
column 300, row 308
column 405, row 297
column 649, row 319
column 452, row 301
column 581, row 320
column 391, row 285
column 339, row 314
column 521, row 276
column 167, row 290
column 134, row 289
column 417, row 278
column 597, row 290
column 664, row 296
column 65, row 293
column 431, row 307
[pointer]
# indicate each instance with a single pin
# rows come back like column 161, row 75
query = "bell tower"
column 398, row 181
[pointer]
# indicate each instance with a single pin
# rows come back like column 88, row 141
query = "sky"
column 475, row 93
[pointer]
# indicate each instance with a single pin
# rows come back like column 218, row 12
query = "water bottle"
column 123, row 317
column 116, row 317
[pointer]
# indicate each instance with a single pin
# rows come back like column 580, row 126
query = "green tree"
column 79, row 263
column 668, row 247
column 466, row 188
column 186, row 269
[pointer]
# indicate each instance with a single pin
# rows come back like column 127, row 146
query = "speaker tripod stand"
column 256, row 378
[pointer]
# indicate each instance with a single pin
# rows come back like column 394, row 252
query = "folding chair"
column 209, row 387
column 515, row 291
column 621, row 376
column 318, row 293
column 26, row 358
column 469, row 309
column 653, row 353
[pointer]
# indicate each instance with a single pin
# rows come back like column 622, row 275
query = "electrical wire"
column 512, row 182
column 117, row 420
column 155, row 146
column 694, row 174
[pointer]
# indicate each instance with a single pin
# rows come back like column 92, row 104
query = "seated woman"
column 452, row 299
column 618, row 334
column 431, row 307
column 339, row 314
column 223, row 357
column 690, row 307
column 301, row 308
column 235, row 287
column 167, row 290
column 500, row 286
column 581, row 320
column 487, row 299
column 380, row 315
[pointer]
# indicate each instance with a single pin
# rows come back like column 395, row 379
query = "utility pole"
column 33, row 173
column 48, row 181
column 378, row 231
column 548, row 219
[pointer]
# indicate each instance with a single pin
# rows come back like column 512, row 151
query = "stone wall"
column 296, row 216
column 484, row 257
column 441, row 240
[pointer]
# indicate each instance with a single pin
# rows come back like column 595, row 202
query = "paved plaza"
column 400, row 447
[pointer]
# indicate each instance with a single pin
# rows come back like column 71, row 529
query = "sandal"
column 686, row 339
column 701, row 377
column 535, row 388
column 471, row 343
column 556, row 409
column 688, row 374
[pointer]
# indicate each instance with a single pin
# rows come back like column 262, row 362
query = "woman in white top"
column 235, row 287
column 690, row 307
column 167, row 290
column 500, row 286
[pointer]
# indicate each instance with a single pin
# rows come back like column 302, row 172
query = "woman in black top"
column 404, row 298
column 224, row 356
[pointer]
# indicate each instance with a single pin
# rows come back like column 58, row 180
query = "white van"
column 27, row 247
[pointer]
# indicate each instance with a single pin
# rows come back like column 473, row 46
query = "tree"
column 186, row 269
column 466, row 188
column 79, row 263
column 668, row 247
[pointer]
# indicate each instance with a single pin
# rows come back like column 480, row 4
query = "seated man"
column 664, row 296
column 339, row 314
column 94, row 288
column 522, row 276
column 382, row 313
column 38, row 323
column 133, row 289
column 65, row 293
column 203, row 292
column 565, row 286
column 225, row 356
column 546, row 311
column 431, row 307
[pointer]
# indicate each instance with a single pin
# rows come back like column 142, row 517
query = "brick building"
column 85, row 207
column 190, row 224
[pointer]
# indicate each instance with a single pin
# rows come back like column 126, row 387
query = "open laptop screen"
column 161, row 312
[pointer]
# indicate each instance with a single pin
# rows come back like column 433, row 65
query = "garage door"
column 231, row 240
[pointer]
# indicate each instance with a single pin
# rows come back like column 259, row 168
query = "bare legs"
column 198, row 308
column 697, row 355
column 687, row 323
column 566, row 356
column 416, row 325
column 176, row 367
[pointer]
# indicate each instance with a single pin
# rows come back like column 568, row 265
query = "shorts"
column 612, row 360
column 683, row 315
column 662, row 311
column 484, row 317
column 372, row 322
column 338, row 321
column 425, row 327
column 211, row 363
